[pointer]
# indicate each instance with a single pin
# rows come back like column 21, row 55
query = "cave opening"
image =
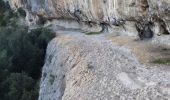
column 144, row 30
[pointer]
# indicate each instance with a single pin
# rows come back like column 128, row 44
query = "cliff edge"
column 80, row 67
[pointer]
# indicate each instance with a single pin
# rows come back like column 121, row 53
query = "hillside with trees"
column 22, row 54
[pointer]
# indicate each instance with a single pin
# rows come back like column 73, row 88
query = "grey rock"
column 99, row 11
column 92, row 68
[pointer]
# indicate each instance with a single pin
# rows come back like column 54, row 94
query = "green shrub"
column 22, row 51
column 19, row 86
column 162, row 61
column 4, row 6
column 6, row 14
column 92, row 33
column 22, row 54
column 21, row 12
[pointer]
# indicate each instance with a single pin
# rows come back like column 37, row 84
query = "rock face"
column 123, row 13
column 82, row 67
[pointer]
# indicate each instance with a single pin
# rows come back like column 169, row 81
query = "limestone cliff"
column 80, row 67
column 123, row 13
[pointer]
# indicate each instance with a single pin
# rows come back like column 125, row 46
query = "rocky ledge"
column 145, row 16
column 80, row 67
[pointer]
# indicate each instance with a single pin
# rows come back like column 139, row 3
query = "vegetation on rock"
column 92, row 33
column 162, row 61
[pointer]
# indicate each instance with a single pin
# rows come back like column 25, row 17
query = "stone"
column 99, row 11
column 80, row 67
column 95, row 69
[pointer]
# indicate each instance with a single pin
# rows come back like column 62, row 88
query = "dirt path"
column 145, row 51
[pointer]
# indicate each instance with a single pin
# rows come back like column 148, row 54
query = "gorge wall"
column 105, row 14
column 82, row 67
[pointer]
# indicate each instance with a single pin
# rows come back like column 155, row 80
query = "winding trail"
column 146, row 51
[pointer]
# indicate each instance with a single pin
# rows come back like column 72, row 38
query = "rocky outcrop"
column 80, row 67
column 124, row 13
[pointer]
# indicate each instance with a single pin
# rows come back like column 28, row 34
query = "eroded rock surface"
column 123, row 13
column 80, row 67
